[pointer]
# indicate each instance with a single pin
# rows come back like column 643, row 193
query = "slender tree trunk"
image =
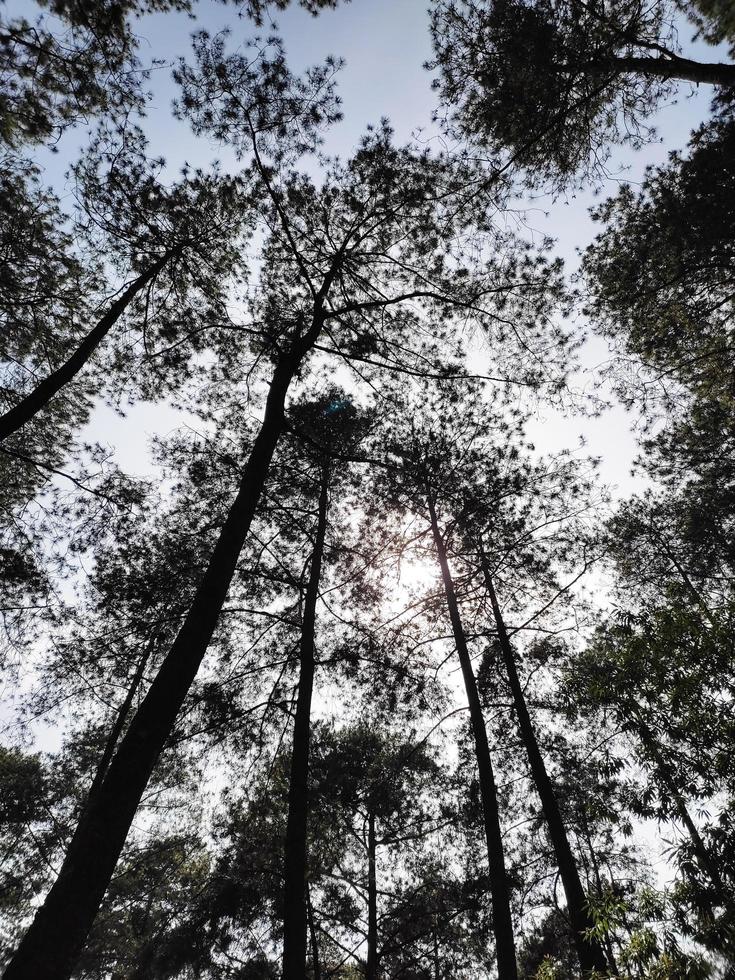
column 42, row 394
column 609, row 951
column 664, row 770
column 686, row 579
column 53, row 941
column 499, row 892
column 589, row 951
column 316, row 967
column 674, row 68
column 371, row 971
column 294, row 903
column 122, row 715
column 437, row 967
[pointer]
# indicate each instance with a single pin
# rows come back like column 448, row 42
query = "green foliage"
column 138, row 932
column 21, row 786
column 714, row 18
column 660, row 275
column 73, row 60
column 550, row 85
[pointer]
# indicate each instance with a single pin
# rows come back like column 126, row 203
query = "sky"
column 385, row 44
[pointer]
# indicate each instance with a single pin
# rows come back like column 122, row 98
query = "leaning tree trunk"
column 499, row 893
column 294, row 900
column 55, row 937
column 589, row 951
column 47, row 389
column 665, row 774
column 119, row 724
column 371, row 970
column 675, row 68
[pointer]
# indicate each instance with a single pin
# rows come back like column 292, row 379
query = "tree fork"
column 55, row 938
column 295, row 912
column 589, row 951
column 47, row 389
column 499, row 892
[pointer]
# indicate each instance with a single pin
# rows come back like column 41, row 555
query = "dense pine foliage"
column 359, row 680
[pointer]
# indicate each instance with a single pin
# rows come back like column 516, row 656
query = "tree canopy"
column 553, row 84
column 358, row 667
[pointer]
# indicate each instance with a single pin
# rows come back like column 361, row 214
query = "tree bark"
column 700, row 73
column 499, row 892
column 294, row 903
column 589, row 951
column 53, row 941
column 42, row 394
column 371, row 970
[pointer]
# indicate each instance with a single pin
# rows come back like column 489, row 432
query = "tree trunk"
column 499, row 893
column 437, row 967
column 700, row 849
column 122, row 715
column 589, row 951
column 42, row 394
column 371, row 971
column 609, row 951
column 673, row 68
column 294, row 903
column 53, row 941
column 316, row 967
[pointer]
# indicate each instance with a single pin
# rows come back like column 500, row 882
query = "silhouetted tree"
column 554, row 83
column 341, row 263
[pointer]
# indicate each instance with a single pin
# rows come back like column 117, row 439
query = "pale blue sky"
column 385, row 44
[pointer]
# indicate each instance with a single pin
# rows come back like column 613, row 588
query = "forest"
column 367, row 479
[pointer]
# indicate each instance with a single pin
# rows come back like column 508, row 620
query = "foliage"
column 361, row 344
column 548, row 86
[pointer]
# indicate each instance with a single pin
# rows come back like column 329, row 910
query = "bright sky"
column 385, row 44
